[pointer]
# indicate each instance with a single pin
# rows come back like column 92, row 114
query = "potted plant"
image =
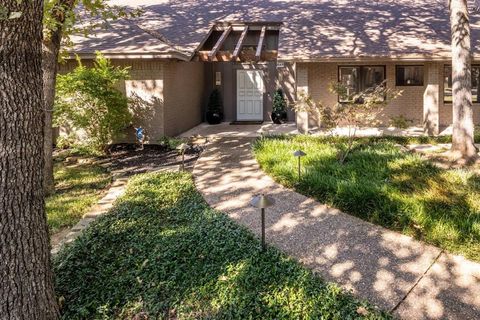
column 279, row 112
column 214, row 109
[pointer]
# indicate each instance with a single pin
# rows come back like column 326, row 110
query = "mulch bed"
column 130, row 159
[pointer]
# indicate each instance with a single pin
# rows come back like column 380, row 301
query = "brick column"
column 302, row 88
column 431, row 99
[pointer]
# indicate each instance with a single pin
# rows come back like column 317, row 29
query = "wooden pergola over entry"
column 240, row 42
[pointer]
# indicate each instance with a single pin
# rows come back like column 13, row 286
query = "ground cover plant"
column 78, row 186
column 380, row 183
column 162, row 253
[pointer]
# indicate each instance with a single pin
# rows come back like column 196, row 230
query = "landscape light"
column 262, row 202
column 182, row 148
column 299, row 154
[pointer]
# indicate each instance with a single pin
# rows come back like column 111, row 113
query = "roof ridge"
column 159, row 36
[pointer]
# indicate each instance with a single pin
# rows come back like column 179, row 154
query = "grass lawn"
column 77, row 188
column 381, row 184
column 163, row 253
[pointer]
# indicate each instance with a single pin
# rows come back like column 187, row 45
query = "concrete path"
column 393, row 271
column 225, row 129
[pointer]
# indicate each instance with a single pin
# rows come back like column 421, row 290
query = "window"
column 360, row 78
column 409, row 75
column 447, row 84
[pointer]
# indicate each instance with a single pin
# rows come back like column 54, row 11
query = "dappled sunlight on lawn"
column 384, row 185
column 77, row 188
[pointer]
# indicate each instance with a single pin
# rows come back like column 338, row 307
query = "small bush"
column 279, row 103
column 66, row 141
column 400, row 122
column 215, row 102
column 88, row 99
column 170, row 142
column 352, row 110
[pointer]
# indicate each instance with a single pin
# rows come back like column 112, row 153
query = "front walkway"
column 393, row 271
column 255, row 130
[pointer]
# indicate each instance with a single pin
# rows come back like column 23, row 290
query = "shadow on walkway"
column 396, row 272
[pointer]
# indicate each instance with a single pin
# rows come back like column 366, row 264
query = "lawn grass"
column 77, row 188
column 384, row 185
column 163, row 253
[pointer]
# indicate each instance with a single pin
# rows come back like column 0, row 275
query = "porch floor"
column 225, row 129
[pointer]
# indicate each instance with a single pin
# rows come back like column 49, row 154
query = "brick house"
column 180, row 50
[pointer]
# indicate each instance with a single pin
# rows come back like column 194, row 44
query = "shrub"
column 279, row 103
column 88, row 99
column 65, row 141
column 400, row 122
column 352, row 110
column 170, row 142
column 215, row 102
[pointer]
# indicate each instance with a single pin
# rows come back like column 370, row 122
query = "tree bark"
column 462, row 111
column 26, row 279
column 50, row 52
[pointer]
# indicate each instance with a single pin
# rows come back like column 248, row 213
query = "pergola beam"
column 239, row 45
column 260, row 43
column 219, row 43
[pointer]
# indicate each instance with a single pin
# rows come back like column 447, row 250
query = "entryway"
column 249, row 95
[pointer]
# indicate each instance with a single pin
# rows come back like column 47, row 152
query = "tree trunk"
column 26, row 286
column 51, row 49
column 463, row 128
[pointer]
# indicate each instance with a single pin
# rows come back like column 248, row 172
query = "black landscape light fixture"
column 262, row 202
column 182, row 148
column 299, row 154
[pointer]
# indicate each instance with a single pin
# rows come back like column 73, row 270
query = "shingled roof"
column 311, row 29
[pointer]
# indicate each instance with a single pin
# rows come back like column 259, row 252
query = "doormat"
column 245, row 122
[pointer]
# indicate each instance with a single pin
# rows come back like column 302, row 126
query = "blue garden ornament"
column 140, row 136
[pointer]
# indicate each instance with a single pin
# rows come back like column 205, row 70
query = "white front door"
column 249, row 95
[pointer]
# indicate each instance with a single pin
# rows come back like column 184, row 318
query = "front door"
column 249, row 95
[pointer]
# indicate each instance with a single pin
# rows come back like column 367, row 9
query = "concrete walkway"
column 393, row 271
column 225, row 129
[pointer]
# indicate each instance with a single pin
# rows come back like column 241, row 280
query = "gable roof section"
column 311, row 30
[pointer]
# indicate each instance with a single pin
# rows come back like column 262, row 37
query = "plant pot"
column 279, row 117
column 214, row 117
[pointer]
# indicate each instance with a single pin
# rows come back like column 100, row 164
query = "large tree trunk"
column 26, row 286
column 463, row 128
column 51, row 49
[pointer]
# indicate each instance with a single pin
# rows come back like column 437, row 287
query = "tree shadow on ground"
column 383, row 185
column 164, row 253
column 377, row 264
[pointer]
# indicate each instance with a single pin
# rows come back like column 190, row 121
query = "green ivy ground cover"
column 163, row 253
